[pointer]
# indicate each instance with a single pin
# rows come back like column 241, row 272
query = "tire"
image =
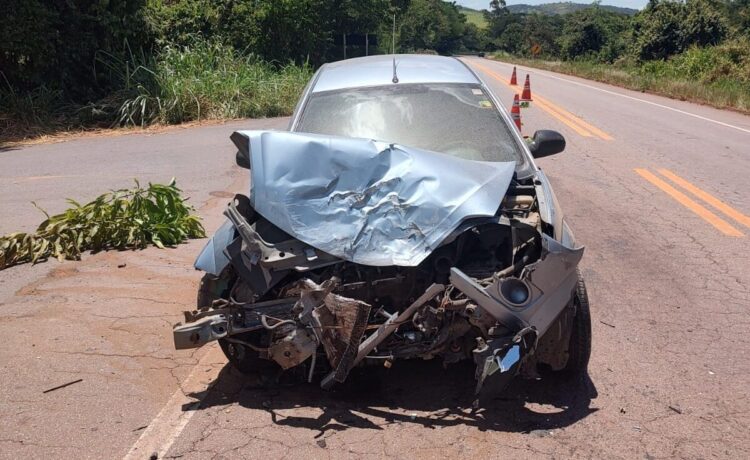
column 579, row 346
column 242, row 358
column 208, row 291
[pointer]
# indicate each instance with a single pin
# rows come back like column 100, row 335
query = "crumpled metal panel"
column 212, row 258
column 368, row 202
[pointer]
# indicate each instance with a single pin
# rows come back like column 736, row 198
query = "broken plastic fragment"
column 510, row 359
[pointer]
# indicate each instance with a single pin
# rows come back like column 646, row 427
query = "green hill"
column 473, row 16
column 565, row 8
column 558, row 8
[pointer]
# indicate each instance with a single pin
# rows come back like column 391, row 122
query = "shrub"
column 21, row 110
column 667, row 27
column 728, row 61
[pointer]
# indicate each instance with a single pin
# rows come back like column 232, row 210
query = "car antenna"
column 393, row 49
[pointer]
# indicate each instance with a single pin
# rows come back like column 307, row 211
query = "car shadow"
column 419, row 392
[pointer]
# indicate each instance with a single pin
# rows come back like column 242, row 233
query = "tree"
column 593, row 32
column 519, row 33
column 543, row 31
column 665, row 27
column 738, row 12
column 177, row 23
column 293, row 30
column 55, row 42
column 431, row 25
column 512, row 38
column 474, row 39
column 498, row 18
column 704, row 24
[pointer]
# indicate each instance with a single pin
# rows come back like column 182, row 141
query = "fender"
column 213, row 258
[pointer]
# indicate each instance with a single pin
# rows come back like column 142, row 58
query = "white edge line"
column 548, row 74
column 137, row 451
column 177, row 431
column 172, row 419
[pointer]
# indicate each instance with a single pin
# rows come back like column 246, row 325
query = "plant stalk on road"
column 121, row 219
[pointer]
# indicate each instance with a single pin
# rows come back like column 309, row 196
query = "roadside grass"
column 717, row 76
column 25, row 114
column 206, row 80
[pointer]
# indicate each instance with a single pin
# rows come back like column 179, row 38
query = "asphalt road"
column 656, row 189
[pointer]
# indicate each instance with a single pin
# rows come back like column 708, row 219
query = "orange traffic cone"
column 513, row 80
column 515, row 112
column 526, row 94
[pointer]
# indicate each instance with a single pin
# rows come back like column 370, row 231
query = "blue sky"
column 483, row 4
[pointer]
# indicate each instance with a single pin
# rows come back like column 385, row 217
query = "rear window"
column 458, row 120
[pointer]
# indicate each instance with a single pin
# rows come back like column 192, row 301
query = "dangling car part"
column 433, row 243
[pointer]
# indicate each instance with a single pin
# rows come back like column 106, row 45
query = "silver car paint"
column 366, row 201
column 378, row 70
column 211, row 258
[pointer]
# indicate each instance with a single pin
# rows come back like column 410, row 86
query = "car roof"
column 378, row 70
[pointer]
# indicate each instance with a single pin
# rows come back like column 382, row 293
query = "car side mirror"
column 242, row 159
column 242, row 143
column 546, row 142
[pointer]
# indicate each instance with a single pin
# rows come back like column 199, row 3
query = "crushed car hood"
column 365, row 201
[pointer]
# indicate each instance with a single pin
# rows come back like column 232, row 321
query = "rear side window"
column 458, row 120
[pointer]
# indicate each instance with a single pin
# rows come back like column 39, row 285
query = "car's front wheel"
column 241, row 356
column 579, row 345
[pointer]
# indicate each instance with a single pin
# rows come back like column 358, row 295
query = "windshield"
column 458, row 120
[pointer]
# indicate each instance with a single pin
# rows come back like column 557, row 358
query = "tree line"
column 662, row 29
column 65, row 44
column 104, row 61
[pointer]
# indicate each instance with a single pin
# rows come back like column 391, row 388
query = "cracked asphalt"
column 669, row 291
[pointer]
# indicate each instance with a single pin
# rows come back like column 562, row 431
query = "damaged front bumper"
column 535, row 300
column 546, row 287
column 524, row 308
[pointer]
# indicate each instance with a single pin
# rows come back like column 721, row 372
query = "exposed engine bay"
column 494, row 291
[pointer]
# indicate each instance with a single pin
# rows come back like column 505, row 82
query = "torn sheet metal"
column 212, row 258
column 552, row 279
column 368, row 202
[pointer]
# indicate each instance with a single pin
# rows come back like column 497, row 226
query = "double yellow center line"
column 720, row 224
column 568, row 119
column 587, row 130
column 576, row 124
